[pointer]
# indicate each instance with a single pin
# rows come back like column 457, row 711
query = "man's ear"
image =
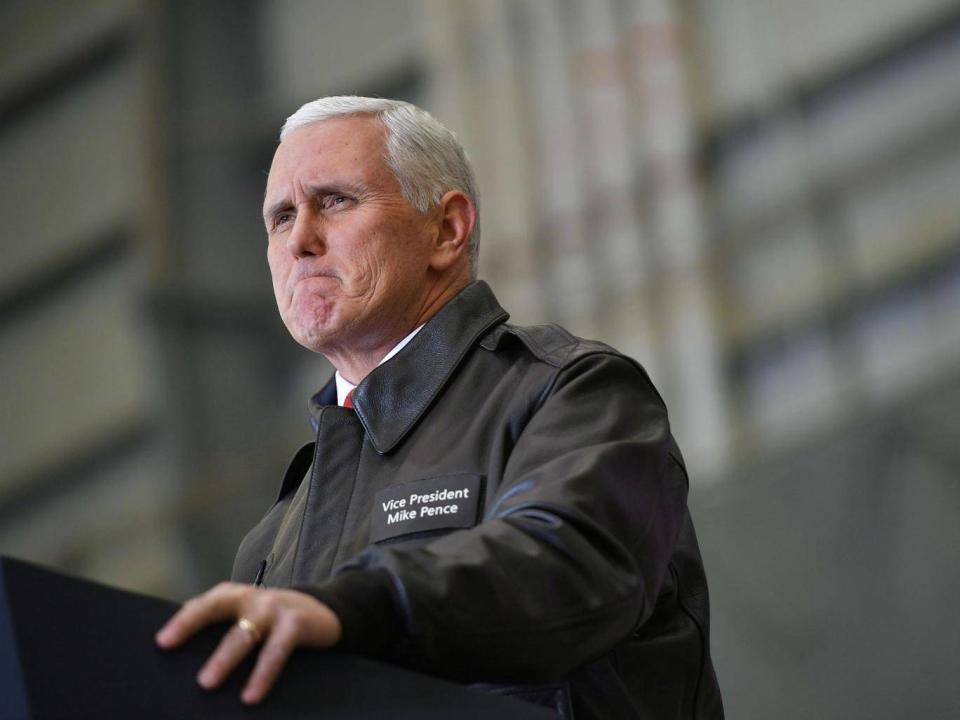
column 456, row 218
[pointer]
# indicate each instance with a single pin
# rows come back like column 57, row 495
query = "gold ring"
column 250, row 628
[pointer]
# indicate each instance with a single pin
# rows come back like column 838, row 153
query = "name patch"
column 448, row 501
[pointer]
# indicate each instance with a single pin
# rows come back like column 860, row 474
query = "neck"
column 355, row 363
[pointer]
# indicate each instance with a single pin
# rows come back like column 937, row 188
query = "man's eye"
column 282, row 219
column 333, row 201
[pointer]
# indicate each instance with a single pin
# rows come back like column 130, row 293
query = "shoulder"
column 571, row 377
column 552, row 345
column 563, row 354
column 548, row 343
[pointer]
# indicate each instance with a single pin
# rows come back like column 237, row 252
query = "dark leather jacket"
column 507, row 508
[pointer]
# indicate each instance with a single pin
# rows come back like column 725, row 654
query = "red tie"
column 348, row 400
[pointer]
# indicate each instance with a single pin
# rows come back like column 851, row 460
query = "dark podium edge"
column 33, row 684
column 13, row 689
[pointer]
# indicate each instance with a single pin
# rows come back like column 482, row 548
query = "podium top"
column 74, row 648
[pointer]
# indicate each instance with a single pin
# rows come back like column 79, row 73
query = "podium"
column 71, row 648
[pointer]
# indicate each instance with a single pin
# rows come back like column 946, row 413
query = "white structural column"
column 690, row 334
column 571, row 286
column 612, row 218
column 475, row 90
column 504, row 162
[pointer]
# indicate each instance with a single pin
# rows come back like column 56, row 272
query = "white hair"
column 424, row 156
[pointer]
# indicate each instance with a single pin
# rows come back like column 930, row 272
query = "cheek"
column 279, row 268
column 403, row 249
column 361, row 265
column 279, row 272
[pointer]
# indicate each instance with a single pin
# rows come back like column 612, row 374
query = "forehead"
column 347, row 148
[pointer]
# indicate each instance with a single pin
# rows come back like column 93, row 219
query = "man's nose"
column 306, row 237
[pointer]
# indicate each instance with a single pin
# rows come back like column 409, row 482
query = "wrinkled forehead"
column 348, row 152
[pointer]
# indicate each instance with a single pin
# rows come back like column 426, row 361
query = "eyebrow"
column 354, row 188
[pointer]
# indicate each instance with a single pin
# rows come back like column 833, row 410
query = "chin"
column 311, row 337
column 308, row 329
column 312, row 321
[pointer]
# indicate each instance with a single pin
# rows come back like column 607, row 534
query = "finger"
column 273, row 656
column 217, row 604
column 233, row 648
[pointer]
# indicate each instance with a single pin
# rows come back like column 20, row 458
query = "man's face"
column 348, row 254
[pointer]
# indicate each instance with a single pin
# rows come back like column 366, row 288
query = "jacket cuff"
column 363, row 602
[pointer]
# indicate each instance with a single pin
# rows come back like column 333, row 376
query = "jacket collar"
column 395, row 395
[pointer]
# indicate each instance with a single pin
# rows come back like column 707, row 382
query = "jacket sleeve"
column 568, row 559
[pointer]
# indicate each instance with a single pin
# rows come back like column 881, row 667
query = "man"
column 500, row 505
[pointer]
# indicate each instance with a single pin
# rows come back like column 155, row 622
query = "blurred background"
column 758, row 199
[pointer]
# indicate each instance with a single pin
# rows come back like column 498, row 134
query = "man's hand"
column 283, row 619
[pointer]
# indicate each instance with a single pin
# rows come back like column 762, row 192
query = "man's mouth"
column 298, row 277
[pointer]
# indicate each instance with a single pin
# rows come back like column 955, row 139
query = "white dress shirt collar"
column 344, row 386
